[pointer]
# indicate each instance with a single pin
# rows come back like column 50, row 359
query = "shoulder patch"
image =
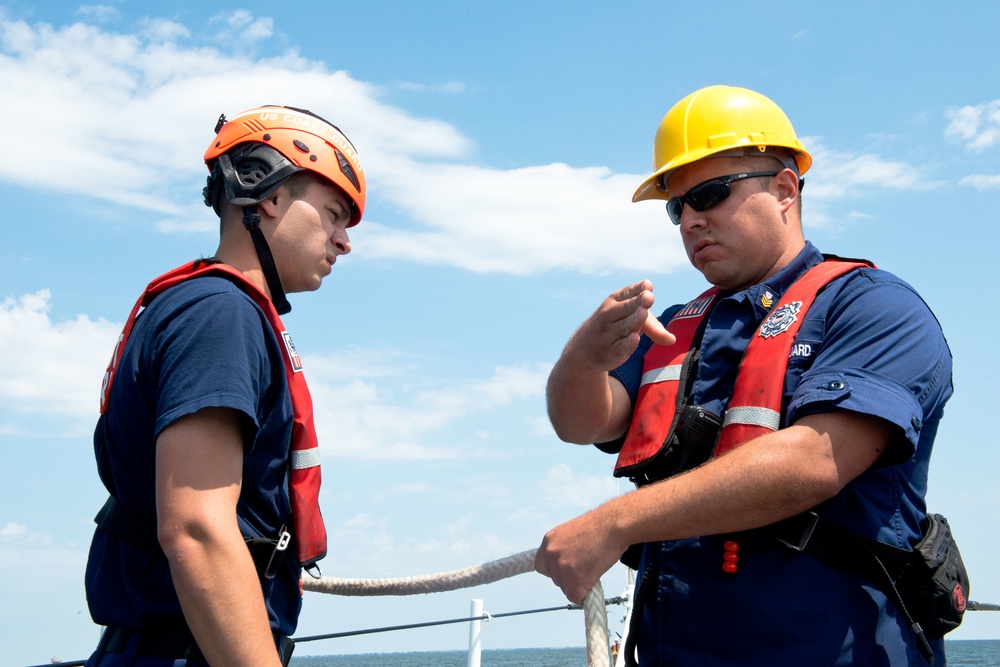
column 293, row 354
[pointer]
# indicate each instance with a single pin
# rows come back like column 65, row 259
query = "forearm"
column 755, row 485
column 759, row 483
column 219, row 593
column 580, row 402
column 586, row 405
column 199, row 470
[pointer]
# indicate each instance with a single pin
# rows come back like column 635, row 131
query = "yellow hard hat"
column 719, row 121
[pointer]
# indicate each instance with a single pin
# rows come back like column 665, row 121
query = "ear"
column 272, row 205
column 787, row 184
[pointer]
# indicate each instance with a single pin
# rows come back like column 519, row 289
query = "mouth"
column 699, row 246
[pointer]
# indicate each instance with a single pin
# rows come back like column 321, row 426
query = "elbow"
column 182, row 540
column 175, row 540
column 566, row 431
column 821, row 485
column 575, row 427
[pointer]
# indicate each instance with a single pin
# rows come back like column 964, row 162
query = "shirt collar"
column 766, row 294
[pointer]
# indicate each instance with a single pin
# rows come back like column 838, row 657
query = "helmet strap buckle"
column 251, row 217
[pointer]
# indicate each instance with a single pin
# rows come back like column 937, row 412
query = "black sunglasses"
column 708, row 194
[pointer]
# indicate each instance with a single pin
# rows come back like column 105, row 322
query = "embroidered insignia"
column 780, row 320
column 767, row 299
column 292, row 352
column 694, row 309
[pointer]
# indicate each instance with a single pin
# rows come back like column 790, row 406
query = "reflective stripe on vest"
column 755, row 406
column 304, row 477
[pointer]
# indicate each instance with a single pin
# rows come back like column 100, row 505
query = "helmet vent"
column 252, row 172
column 345, row 167
column 301, row 146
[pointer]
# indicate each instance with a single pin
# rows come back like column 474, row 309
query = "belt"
column 174, row 642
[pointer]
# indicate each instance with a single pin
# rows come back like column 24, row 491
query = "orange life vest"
column 755, row 405
column 304, row 478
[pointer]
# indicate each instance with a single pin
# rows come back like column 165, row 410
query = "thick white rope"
column 595, row 617
column 594, row 611
column 478, row 575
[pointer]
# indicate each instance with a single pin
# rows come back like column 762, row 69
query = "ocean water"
column 515, row 657
column 972, row 652
column 961, row 653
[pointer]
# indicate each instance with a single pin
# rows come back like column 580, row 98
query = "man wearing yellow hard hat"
column 778, row 426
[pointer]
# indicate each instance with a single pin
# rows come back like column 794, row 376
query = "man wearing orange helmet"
column 206, row 441
column 771, row 424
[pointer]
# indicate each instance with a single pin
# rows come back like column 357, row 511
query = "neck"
column 240, row 254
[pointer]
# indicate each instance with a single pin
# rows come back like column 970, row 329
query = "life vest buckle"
column 278, row 553
column 795, row 532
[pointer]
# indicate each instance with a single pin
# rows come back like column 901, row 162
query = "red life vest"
column 755, row 405
column 304, row 479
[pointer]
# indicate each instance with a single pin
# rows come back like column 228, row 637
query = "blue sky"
column 502, row 143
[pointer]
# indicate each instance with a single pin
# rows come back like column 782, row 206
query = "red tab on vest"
column 304, row 478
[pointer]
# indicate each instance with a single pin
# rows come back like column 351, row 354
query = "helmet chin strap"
column 251, row 220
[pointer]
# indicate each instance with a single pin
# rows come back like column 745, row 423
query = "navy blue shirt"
column 869, row 344
column 203, row 343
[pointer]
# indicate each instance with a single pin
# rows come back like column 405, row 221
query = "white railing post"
column 476, row 633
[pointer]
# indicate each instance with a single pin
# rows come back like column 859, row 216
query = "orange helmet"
column 256, row 151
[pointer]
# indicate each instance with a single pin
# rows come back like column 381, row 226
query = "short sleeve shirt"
column 869, row 344
column 201, row 344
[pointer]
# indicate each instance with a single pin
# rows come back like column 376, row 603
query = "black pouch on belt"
column 936, row 585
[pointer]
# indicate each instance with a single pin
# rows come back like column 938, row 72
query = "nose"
column 691, row 219
column 340, row 239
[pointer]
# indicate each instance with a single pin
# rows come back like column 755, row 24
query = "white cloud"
column 390, row 416
column 449, row 88
column 13, row 530
column 982, row 181
column 51, row 367
column 162, row 30
column 837, row 174
column 519, row 221
column 242, row 29
column 549, row 217
column 99, row 13
column 24, row 553
column 138, row 142
column 976, row 126
column 564, row 489
column 54, row 367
